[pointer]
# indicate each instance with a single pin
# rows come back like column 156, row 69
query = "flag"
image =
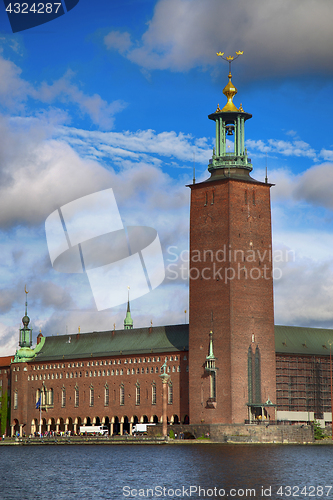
column 38, row 404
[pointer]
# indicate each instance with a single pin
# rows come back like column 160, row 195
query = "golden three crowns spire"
column 229, row 90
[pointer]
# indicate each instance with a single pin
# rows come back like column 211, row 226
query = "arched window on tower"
column 15, row 400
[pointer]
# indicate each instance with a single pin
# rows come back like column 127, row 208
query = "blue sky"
column 116, row 94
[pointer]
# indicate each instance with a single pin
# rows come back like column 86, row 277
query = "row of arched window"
column 46, row 397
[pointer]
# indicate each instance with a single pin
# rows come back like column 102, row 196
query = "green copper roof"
column 288, row 340
column 302, row 340
column 128, row 323
column 112, row 343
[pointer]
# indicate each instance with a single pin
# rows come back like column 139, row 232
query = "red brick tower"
column 231, row 326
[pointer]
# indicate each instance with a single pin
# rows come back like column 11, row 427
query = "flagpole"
column 40, row 415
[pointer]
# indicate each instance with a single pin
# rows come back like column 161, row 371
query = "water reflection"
column 111, row 472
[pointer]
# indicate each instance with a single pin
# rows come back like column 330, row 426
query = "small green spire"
column 210, row 351
column 128, row 323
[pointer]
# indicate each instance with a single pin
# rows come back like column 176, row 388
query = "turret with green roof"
column 128, row 322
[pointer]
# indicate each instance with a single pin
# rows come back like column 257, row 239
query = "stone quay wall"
column 242, row 433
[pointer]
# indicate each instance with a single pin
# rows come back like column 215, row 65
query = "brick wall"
column 70, row 374
column 236, row 303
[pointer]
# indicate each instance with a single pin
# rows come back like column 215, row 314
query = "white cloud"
column 118, row 41
column 315, row 186
column 304, row 294
column 327, row 154
column 276, row 36
column 15, row 92
column 296, row 147
column 144, row 145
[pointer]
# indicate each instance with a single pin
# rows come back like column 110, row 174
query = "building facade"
column 230, row 365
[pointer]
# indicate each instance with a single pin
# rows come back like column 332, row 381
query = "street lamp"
column 165, row 377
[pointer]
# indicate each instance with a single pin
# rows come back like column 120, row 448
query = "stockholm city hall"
column 229, row 365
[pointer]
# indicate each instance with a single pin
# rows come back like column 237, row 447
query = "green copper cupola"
column 230, row 155
column 25, row 353
column 128, row 322
column 25, row 337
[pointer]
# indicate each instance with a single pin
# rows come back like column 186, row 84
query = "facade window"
column 133, row 371
column 137, row 393
column 63, row 398
column 76, row 397
column 153, row 394
column 44, row 395
column 15, row 400
column 108, row 373
column 50, row 397
column 170, row 393
column 213, row 385
column 128, row 371
column 106, row 395
column 91, row 397
column 122, row 394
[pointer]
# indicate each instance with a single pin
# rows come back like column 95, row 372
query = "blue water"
column 89, row 472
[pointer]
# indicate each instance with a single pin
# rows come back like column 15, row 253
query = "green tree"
column 4, row 412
